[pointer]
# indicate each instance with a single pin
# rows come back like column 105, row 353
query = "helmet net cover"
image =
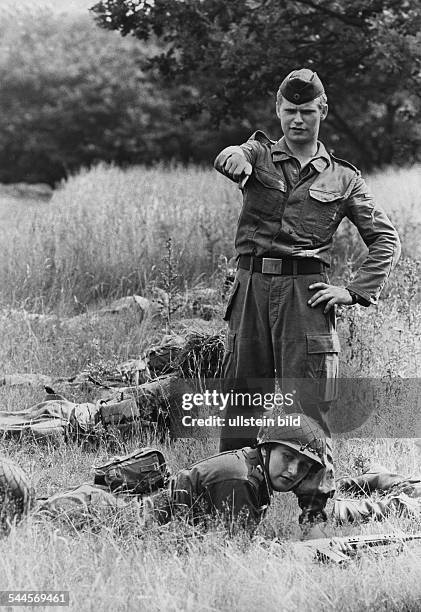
column 308, row 438
column 16, row 494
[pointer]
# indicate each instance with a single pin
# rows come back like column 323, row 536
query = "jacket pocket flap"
column 268, row 179
column 323, row 343
column 321, row 195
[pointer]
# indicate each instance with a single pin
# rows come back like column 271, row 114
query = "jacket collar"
column 280, row 152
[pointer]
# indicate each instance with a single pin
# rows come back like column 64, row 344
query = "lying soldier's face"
column 287, row 467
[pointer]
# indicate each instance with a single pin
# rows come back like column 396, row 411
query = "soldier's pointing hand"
column 237, row 166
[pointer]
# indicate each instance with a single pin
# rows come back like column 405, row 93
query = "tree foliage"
column 234, row 54
column 72, row 95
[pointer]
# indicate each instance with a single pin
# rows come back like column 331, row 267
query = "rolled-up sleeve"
column 382, row 241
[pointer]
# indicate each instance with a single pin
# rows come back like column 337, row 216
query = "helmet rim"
column 299, row 447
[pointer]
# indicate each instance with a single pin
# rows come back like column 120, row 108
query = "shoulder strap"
column 343, row 162
column 261, row 138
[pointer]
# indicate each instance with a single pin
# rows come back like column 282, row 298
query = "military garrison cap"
column 301, row 86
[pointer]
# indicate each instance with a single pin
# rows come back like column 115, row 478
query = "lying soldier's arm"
column 237, row 499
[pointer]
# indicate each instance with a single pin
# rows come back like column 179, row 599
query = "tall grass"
column 113, row 565
column 103, row 234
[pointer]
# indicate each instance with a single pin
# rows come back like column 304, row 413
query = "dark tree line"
column 234, row 55
column 73, row 94
column 194, row 76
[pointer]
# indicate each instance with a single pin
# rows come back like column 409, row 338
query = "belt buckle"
column 271, row 265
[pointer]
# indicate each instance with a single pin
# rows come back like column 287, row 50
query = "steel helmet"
column 300, row 432
column 16, row 494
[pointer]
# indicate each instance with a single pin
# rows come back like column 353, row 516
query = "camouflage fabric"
column 84, row 498
column 377, row 478
column 396, row 494
column 355, row 510
column 53, row 416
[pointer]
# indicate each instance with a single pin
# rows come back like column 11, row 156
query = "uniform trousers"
column 277, row 343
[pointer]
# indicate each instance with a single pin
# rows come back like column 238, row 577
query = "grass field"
column 103, row 236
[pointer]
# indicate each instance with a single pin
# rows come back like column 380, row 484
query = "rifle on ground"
column 342, row 549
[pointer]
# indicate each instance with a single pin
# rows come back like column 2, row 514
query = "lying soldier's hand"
column 330, row 294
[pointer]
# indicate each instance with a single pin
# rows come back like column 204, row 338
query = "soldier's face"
column 300, row 123
column 287, row 467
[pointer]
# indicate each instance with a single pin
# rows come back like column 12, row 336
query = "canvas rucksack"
column 141, row 472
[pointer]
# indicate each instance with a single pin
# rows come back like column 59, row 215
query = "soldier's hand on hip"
column 237, row 166
column 331, row 294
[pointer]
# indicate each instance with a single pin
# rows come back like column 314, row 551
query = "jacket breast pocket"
column 320, row 213
column 265, row 193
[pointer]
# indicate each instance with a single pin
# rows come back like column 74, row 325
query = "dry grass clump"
column 202, row 355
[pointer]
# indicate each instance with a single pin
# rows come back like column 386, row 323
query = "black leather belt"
column 284, row 267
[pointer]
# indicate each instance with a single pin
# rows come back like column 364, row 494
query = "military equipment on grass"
column 342, row 549
column 141, row 472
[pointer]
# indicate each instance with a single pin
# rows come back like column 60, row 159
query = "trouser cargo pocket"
column 322, row 355
column 323, row 364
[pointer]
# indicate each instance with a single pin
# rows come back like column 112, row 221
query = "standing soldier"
column 281, row 311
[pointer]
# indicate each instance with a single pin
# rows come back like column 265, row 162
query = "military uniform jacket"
column 232, row 484
column 296, row 216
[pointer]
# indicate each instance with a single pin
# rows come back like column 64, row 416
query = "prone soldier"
column 236, row 485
